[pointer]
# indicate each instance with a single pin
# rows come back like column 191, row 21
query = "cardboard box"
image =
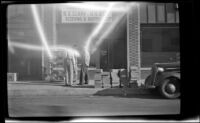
column 11, row 76
column 98, row 84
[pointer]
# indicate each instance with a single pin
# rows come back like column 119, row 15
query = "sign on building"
column 78, row 15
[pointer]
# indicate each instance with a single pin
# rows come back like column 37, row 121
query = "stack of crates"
column 97, row 79
column 115, row 77
column 124, row 80
column 11, row 76
column 106, row 80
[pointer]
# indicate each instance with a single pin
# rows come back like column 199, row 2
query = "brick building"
column 146, row 34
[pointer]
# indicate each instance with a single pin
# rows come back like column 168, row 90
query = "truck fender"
column 167, row 75
column 148, row 81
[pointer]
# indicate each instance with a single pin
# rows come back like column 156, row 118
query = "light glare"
column 24, row 46
column 105, row 34
column 10, row 47
column 67, row 49
column 95, row 6
column 98, row 28
column 40, row 30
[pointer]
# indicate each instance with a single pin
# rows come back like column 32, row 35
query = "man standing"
column 75, row 67
column 68, row 66
column 85, row 61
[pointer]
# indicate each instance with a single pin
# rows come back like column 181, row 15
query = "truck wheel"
column 170, row 88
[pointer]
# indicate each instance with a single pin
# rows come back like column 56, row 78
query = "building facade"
column 148, row 33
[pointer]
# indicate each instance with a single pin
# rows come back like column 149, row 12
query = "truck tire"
column 170, row 88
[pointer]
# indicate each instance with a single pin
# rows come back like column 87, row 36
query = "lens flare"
column 40, row 29
column 98, row 28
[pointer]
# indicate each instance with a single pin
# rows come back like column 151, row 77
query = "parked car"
column 165, row 77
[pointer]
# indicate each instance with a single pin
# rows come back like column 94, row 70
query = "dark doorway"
column 27, row 64
column 113, row 50
column 113, row 54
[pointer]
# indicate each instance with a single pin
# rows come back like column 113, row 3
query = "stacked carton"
column 115, row 77
column 105, row 76
column 12, row 76
column 97, row 79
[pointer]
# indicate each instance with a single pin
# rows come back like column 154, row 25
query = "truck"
column 166, row 79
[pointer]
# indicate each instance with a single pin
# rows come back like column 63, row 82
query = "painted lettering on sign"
column 77, row 15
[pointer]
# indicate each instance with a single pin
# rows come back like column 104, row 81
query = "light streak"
column 97, row 29
column 67, row 49
column 24, row 46
column 105, row 34
column 10, row 47
column 96, row 6
column 110, row 28
column 40, row 29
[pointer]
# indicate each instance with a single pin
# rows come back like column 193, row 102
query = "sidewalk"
column 58, row 88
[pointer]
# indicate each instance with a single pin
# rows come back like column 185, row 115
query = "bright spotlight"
column 40, row 30
column 98, row 28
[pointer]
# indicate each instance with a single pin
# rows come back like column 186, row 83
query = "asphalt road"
column 34, row 105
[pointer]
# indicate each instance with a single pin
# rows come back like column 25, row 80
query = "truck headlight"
column 160, row 69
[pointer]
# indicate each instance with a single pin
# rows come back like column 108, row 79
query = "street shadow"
column 118, row 92
column 54, row 83
column 79, row 86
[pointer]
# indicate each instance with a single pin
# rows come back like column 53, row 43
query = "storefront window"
column 170, row 10
column 151, row 13
column 159, row 44
column 143, row 13
column 160, row 13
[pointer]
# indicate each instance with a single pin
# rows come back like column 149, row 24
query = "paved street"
column 86, row 104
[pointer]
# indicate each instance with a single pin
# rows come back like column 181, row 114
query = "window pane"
column 161, row 13
column 170, row 18
column 147, row 45
column 170, row 9
column 159, row 44
column 177, row 17
column 151, row 13
column 143, row 13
